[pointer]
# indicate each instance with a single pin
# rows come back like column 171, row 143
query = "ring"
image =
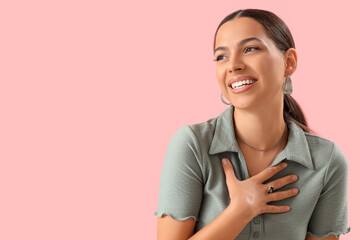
column 270, row 189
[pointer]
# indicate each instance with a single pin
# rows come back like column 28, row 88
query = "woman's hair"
column 280, row 34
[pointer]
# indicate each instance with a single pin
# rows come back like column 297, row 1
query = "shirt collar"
column 297, row 148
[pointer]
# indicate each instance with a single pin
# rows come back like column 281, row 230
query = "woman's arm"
column 330, row 213
column 169, row 228
column 330, row 237
column 222, row 227
column 249, row 198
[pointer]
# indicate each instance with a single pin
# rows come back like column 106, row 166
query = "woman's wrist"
column 244, row 215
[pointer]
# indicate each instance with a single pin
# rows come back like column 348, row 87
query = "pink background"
column 92, row 91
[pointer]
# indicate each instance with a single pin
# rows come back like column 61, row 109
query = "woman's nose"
column 235, row 68
column 235, row 64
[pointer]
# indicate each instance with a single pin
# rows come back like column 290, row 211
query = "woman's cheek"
column 221, row 78
column 270, row 67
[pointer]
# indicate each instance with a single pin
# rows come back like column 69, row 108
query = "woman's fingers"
column 251, row 193
column 277, row 196
column 275, row 209
column 229, row 171
column 269, row 172
column 281, row 182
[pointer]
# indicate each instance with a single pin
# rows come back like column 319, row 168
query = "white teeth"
column 240, row 84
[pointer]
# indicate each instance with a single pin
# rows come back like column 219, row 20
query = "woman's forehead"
column 238, row 29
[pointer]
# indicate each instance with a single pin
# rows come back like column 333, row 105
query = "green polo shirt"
column 192, row 182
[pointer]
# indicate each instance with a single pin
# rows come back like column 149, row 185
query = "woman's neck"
column 260, row 128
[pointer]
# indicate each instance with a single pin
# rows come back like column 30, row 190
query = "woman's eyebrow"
column 242, row 42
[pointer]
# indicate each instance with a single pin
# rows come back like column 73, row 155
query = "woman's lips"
column 243, row 88
column 240, row 78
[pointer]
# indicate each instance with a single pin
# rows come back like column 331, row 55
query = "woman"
column 255, row 171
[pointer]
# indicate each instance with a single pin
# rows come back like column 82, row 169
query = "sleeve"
column 330, row 214
column 181, row 180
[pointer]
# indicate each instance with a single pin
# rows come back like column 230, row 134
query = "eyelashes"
column 218, row 58
column 256, row 48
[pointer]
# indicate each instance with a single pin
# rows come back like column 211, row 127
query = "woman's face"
column 257, row 60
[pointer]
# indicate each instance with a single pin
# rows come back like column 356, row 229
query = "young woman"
column 256, row 171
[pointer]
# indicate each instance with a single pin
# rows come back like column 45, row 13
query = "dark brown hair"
column 280, row 34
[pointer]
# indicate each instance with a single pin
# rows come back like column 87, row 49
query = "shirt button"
column 256, row 234
column 256, row 220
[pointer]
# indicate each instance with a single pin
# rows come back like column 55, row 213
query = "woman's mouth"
column 241, row 84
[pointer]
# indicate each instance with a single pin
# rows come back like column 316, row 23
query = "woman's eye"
column 246, row 50
column 220, row 57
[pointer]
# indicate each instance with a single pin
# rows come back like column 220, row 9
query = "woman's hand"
column 250, row 197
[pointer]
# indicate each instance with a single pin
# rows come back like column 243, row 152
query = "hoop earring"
column 287, row 88
column 222, row 99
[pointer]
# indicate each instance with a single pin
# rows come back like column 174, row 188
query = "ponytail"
column 293, row 112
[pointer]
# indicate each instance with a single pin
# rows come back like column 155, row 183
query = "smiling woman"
column 256, row 171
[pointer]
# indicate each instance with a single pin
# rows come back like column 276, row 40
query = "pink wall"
column 92, row 91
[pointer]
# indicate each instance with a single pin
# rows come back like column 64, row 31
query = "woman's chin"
column 243, row 103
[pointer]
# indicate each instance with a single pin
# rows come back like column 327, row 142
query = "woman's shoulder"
column 325, row 152
column 199, row 132
column 319, row 143
column 204, row 128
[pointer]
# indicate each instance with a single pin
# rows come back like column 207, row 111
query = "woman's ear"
column 290, row 62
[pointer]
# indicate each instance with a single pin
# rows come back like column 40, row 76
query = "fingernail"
column 295, row 191
column 283, row 164
column 294, row 178
column 224, row 161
